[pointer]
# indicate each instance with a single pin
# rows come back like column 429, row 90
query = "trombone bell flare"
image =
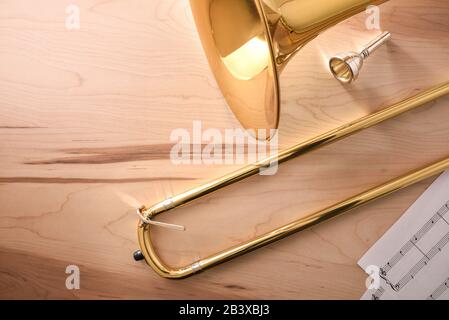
column 249, row 42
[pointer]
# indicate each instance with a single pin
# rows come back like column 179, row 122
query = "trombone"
column 248, row 44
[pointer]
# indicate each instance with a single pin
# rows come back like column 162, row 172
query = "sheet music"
column 413, row 256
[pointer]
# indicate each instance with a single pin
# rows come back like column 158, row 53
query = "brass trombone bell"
column 249, row 42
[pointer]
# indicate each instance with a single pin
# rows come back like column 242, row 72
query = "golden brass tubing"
column 396, row 184
column 408, row 104
column 299, row 149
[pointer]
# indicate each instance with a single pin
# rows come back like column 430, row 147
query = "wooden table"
column 86, row 117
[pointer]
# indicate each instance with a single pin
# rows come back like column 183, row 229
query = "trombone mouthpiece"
column 346, row 66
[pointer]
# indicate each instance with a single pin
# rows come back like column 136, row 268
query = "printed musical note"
column 379, row 292
column 439, row 291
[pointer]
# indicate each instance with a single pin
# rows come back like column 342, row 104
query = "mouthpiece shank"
column 375, row 44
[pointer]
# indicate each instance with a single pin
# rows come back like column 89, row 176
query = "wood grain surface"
column 86, row 117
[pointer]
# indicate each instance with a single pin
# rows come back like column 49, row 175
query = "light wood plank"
column 87, row 115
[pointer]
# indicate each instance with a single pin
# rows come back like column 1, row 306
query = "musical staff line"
column 439, row 291
column 378, row 293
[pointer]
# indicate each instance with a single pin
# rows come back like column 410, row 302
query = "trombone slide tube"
column 144, row 230
column 396, row 184
column 302, row 148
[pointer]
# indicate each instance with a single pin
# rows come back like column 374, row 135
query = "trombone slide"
column 144, row 229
